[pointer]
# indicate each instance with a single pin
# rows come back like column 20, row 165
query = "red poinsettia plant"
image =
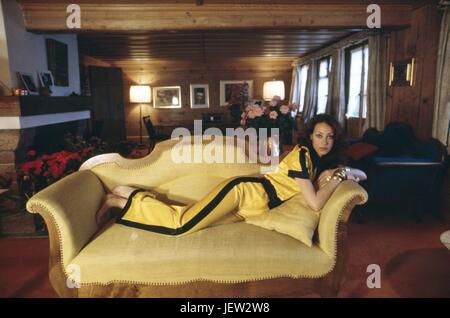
column 41, row 170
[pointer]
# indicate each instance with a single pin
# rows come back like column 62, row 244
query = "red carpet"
column 413, row 261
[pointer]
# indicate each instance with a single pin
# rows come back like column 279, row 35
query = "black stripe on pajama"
column 274, row 201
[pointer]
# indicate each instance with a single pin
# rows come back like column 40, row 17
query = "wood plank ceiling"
column 209, row 29
column 207, row 45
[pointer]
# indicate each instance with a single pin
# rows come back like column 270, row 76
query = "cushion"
column 360, row 150
column 293, row 218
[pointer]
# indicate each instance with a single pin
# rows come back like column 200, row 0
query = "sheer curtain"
column 294, row 96
column 311, row 91
column 295, row 86
column 441, row 120
column 377, row 82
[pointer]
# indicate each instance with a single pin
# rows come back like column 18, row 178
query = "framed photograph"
column 401, row 73
column 57, row 61
column 167, row 97
column 46, row 79
column 199, row 95
column 235, row 92
column 27, row 82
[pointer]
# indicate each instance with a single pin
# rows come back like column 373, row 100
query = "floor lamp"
column 140, row 94
column 273, row 88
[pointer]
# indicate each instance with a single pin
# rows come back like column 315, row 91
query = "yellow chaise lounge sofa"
column 228, row 260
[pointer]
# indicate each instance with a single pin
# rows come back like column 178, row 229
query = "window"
column 357, row 81
column 322, row 88
column 303, row 76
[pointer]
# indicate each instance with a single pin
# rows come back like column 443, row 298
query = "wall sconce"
column 401, row 73
column 272, row 88
column 140, row 94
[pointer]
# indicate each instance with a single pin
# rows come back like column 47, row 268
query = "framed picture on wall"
column 27, row 82
column 234, row 92
column 199, row 95
column 167, row 97
column 57, row 61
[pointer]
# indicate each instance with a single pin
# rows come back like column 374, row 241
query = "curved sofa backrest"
column 172, row 159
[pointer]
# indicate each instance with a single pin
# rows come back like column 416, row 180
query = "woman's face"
column 322, row 138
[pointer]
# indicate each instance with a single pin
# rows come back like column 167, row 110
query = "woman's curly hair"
column 338, row 154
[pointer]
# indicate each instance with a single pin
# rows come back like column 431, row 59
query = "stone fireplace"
column 39, row 123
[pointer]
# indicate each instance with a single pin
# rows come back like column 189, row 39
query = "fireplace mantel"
column 23, row 119
column 41, row 105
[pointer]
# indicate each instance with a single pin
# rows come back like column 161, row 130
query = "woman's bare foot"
column 111, row 201
column 123, row 191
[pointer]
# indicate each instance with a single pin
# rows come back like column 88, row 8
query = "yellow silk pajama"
column 241, row 196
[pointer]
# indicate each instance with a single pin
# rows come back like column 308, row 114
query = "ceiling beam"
column 116, row 16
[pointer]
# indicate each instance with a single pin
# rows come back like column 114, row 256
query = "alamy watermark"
column 73, row 276
column 73, row 20
column 374, row 19
column 258, row 146
column 374, row 279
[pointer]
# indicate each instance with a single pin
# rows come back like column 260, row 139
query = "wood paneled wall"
column 415, row 104
column 184, row 73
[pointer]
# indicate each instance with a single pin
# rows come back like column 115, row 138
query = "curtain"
column 336, row 104
column 441, row 120
column 295, row 89
column 376, row 82
column 311, row 91
column 336, row 87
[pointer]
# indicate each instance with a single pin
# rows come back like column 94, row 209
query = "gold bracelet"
column 340, row 173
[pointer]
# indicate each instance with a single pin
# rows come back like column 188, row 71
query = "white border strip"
column 22, row 122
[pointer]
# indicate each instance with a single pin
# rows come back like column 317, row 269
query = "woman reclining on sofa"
column 319, row 153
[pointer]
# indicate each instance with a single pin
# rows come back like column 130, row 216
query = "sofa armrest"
column 68, row 208
column 338, row 209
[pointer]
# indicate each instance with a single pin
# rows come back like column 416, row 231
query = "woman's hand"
column 353, row 174
column 325, row 177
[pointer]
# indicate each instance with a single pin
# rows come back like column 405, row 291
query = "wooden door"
column 108, row 115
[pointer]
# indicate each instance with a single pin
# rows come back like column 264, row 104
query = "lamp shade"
column 273, row 88
column 140, row 94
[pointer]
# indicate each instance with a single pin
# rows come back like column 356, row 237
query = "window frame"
column 329, row 63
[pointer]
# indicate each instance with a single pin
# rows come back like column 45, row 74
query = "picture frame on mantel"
column 401, row 73
column 230, row 91
column 199, row 95
column 46, row 79
column 27, row 82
